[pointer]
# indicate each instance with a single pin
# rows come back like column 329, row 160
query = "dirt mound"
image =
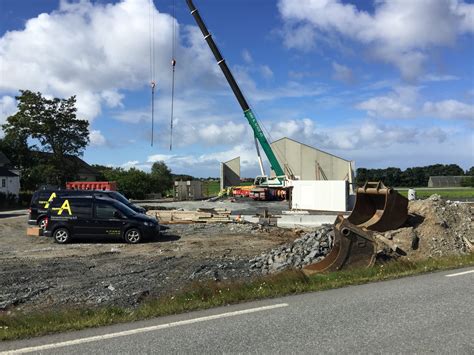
column 435, row 227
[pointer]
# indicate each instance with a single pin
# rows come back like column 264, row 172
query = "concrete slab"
column 294, row 221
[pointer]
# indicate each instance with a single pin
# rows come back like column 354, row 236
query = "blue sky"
column 383, row 83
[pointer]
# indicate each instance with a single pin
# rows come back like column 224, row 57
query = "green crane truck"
column 262, row 182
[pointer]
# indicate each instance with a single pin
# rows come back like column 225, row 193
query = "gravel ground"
column 37, row 274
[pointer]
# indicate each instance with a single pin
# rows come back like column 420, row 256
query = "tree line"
column 135, row 183
column 412, row 177
column 41, row 135
column 44, row 134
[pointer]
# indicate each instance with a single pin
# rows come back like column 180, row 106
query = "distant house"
column 4, row 161
column 9, row 179
column 445, row 181
column 85, row 172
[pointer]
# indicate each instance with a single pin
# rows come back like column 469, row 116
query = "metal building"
column 445, row 181
column 230, row 173
column 308, row 163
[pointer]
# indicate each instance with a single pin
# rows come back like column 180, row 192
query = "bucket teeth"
column 353, row 247
column 378, row 208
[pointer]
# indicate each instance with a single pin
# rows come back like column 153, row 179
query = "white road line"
column 460, row 273
column 140, row 330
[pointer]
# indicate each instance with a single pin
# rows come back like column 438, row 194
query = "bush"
column 7, row 200
column 468, row 181
column 24, row 198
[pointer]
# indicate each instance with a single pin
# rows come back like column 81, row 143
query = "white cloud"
column 247, row 57
column 96, row 138
column 370, row 143
column 399, row 32
column 130, row 164
column 7, row 108
column 449, row 109
column 435, row 78
column 397, row 104
column 84, row 49
column 266, row 72
column 342, row 73
column 209, row 161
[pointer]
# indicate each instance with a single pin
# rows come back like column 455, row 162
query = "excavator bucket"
column 352, row 247
column 379, row 208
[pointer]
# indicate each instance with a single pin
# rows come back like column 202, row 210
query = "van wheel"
column 61, row 235
column 133, row 236
column 42, row 223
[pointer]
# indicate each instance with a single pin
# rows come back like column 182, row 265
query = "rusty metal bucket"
column 352, row 247
column 379, row 208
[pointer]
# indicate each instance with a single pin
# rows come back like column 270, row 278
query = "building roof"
column 5, row 172
column 319, row 150
column 3, row 159
column 83, row 167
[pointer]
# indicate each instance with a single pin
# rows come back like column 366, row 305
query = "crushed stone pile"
column 308, row 249
column 435, row 227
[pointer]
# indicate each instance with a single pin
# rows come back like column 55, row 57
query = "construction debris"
column 435, row 227
column 308, row 249
column 201, row 215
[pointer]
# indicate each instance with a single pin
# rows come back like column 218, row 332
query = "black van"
column 88, row 216
column 42, row 198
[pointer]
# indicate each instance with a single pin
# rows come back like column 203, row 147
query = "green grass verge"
column 211, row 188
column 206, row 295
column 444, row 193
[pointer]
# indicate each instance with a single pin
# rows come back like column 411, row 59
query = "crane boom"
column 275, row 165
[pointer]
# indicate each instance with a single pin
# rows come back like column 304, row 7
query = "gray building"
column 445, row 181
column 308, row 163
column 9, row 178
column 230, row 173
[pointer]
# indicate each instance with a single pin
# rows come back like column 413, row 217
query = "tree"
column 49, row 125
column 161, row 176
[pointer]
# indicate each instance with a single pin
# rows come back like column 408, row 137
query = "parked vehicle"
column 89, row 216
column 42, row 198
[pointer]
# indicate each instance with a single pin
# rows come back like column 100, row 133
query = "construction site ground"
column 37, row 274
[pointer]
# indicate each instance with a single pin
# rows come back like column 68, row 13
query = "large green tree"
column 161, row 177
column 48, row 125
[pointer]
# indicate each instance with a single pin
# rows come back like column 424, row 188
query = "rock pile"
column 308, row 249
column 442, row 228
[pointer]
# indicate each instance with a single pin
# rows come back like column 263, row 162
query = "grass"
column 18, row 325
column 449, row 193
column 211, row 188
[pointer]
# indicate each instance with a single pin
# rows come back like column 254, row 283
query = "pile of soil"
column 435, row 227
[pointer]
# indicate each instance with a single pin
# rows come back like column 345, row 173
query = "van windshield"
column 119, row 197
column 127, row 211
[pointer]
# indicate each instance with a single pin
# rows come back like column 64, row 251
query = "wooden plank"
column 34, row 231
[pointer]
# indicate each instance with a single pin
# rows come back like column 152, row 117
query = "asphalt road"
column 431, row 313
column 15, row 213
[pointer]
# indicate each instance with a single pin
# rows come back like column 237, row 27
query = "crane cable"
column 151, row 29
column 173, row 66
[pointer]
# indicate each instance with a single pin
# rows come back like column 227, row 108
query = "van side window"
column 81, row 208
column 104, row 211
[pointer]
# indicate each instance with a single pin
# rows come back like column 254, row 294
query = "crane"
column 263, row 181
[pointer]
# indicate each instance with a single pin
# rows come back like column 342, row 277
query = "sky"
column 382, row 83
